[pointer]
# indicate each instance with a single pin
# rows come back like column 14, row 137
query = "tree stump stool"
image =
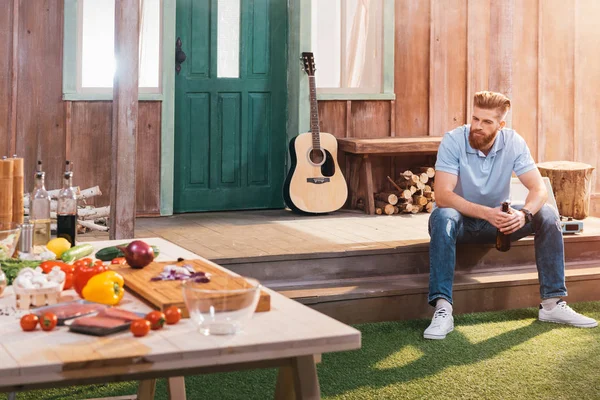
column 571, row 183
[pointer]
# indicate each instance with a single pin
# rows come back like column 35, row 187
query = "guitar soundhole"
column 328, row 167
column 316, row 156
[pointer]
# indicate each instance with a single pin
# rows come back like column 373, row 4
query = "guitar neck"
column 314, row 113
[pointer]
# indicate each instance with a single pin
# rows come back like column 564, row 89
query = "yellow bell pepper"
column 105, row 288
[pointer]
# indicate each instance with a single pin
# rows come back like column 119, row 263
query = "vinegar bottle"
column 502, row 240
column 39, row 214
column 66, row 212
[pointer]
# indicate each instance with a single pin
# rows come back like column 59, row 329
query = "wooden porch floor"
column 246, row 234
column 360, row 268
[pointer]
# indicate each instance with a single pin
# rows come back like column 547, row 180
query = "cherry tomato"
column 48, row 321
column 172, row 315
column 156, row 318
column 140, row 327
column 29, row 322
column 47, row 266
column 119, row 260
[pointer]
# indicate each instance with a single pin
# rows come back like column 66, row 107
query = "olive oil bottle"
column 39, row 214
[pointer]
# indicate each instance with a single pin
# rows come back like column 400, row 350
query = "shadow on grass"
column 385, row 340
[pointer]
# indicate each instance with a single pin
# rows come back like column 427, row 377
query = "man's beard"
column 481, row 142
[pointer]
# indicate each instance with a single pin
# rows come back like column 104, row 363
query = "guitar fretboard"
column 314, row 113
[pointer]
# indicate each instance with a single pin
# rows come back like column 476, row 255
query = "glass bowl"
column 223, row 305
column 3, row 282
column 9, row 237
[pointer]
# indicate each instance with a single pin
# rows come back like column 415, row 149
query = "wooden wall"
column 36, row 123
column 541, row 53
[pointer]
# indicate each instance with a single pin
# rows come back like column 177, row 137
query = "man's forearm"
column 535, row 200
column 452, row 200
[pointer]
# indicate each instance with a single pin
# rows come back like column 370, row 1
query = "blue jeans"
column 447, row 227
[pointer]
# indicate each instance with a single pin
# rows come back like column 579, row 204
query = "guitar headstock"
column 308, row 61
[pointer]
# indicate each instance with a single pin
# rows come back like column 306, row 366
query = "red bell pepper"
column 84, row 270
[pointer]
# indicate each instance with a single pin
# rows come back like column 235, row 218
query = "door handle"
column 179, row 55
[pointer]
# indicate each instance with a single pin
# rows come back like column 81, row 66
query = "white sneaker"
column 563, row 314
column 442, row 324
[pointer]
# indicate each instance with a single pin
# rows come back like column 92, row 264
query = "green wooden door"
column 230, row 139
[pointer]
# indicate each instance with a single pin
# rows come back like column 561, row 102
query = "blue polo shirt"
column 484, row 179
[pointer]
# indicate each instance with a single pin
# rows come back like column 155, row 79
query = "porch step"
column 398, row 297
column 408, row 259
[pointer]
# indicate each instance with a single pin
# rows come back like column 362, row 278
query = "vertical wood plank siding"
column 40, row 132
column 44, row 126
column 542, row 53
column 549, row 46
column 5, row 72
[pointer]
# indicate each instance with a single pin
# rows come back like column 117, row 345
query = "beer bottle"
column 502, row 240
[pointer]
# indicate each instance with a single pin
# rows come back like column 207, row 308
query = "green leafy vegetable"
column 11, row 267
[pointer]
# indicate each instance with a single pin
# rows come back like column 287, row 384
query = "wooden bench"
column 360, row 152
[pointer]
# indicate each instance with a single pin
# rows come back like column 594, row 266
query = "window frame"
column 72, row 90
column 387, row 89
column 167, row 97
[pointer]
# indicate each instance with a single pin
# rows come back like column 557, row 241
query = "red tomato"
column 68, row 281
column 29, row 322
column 172, row 315
column 119, row 261
column 48, row 321
column 68, row 269
column 140, row 327
column 156, row 318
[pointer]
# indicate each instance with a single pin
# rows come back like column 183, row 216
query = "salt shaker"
column 26, row 240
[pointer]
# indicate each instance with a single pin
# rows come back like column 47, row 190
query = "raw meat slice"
column 119, row 313
column 98, row 322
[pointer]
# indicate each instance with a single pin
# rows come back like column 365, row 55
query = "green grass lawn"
column 499, row 355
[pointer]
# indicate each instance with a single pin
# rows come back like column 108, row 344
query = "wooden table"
column 291, row 337
column 361, row 150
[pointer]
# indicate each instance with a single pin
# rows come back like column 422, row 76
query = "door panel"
column 230, row 136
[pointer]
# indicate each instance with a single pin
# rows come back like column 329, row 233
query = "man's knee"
column 445, row 220
column 546, row 214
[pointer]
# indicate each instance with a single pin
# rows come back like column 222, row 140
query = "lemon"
column 58, row 246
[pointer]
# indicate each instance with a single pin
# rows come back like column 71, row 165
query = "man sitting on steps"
column 473, row 171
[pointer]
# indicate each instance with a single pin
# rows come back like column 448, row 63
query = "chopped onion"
column 179, row 273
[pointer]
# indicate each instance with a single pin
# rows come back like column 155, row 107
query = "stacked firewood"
column 89, row 218
column 412, row 193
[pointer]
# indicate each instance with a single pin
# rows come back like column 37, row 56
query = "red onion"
column 138, row 254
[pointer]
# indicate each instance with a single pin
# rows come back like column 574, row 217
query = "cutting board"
column 163, row 294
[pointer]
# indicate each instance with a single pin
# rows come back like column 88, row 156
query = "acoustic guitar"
column 314, row 183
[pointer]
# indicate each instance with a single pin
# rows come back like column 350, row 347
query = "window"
column 228, row 39
column 89, row 64
column 353, row 48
